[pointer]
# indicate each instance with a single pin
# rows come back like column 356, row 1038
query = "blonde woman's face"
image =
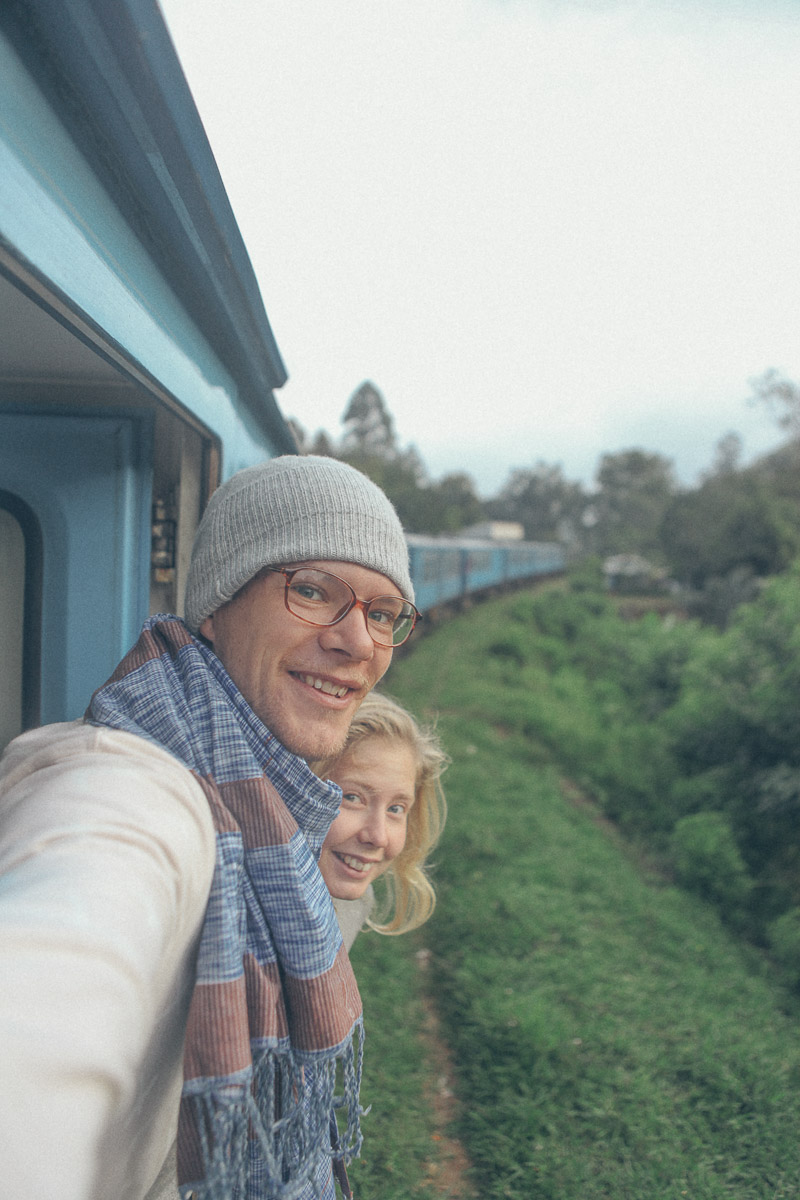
column 378, row 781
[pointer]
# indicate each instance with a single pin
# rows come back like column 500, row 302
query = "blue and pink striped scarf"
column 274, row 1035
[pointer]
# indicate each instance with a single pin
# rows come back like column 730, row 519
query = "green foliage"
column 718, row 539
column 452, row 504
column 784, row 940
column 543, row 501
column 781, row 396
column 634, row 489
column 423, row 507
column 735, row 733
column 368, row 424
column 587, row 575
column 611, row 1037
column 720, row 597
column 402, row 1148
column 733, row 520
column 707, row 860
column 661, row 720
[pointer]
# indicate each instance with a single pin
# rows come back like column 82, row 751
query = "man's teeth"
column 322, row 685
column 356, row 863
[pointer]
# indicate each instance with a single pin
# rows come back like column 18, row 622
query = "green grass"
column 399, row 1151
column 611, row 1037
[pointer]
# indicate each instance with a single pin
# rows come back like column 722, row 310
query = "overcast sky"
column 545, row 229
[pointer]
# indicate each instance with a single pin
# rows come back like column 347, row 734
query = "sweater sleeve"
column 106, row 859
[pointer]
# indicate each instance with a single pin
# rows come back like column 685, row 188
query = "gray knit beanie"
column 290, row 510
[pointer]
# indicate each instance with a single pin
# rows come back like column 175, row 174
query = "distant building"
column 632, row 573
column 495, row 531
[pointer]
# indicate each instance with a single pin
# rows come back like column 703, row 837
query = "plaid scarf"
column 275, row 1008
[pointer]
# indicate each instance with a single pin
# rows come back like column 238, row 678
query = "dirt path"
column 448, row 1176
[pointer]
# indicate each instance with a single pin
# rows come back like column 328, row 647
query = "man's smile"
column 328, row 686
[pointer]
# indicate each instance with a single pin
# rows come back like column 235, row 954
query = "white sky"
column 545, row 229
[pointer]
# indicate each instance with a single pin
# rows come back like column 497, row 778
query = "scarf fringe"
column 249, row 1150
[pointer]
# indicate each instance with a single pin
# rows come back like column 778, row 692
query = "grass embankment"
column 611, row 1037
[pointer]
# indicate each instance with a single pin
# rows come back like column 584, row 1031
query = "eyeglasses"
column 320, row 598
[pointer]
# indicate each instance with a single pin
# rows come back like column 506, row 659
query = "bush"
column 784, row 940
column 707, row 861
column 587, row 576
column 513, row 645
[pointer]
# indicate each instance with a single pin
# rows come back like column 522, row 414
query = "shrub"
column 707, row 860
column 513, row 645
column 784, row 940
column 587, row 576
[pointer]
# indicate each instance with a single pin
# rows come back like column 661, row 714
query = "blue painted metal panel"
column 436, row 570
column 483, row 565
column 88, row 480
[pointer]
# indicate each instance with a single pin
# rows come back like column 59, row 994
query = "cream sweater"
column 106, row 857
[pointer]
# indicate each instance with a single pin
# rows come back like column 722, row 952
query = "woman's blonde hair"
column 409, row 896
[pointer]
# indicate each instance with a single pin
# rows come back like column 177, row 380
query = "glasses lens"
column 317, row 596
column 390, row 620
column 322, row 599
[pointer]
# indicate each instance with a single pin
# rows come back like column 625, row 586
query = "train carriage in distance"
column 448, row 569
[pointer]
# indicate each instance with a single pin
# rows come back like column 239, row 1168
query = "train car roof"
column 455, row 541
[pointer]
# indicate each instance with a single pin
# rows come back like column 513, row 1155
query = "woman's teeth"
column 355, row 863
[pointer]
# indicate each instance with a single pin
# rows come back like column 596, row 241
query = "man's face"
column 305, row 682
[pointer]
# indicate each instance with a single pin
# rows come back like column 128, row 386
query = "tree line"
column 716, row 540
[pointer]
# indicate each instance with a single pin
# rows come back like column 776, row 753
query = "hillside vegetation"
column 617, row 1026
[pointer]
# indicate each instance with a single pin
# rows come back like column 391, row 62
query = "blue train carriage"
column 436, row 571
column 483, row 565
column 490, row 565
column 527, row 560
column 449, row 570
column 137, row 364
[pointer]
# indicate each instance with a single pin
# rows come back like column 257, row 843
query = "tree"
column 542, row 500
column 322, row 444
column 728, row 523
column 452, row 504
column 369, row 444
column 368, row 424
column 781, row 396
column 735, row 733
column 727, row 455
column 634, row 490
